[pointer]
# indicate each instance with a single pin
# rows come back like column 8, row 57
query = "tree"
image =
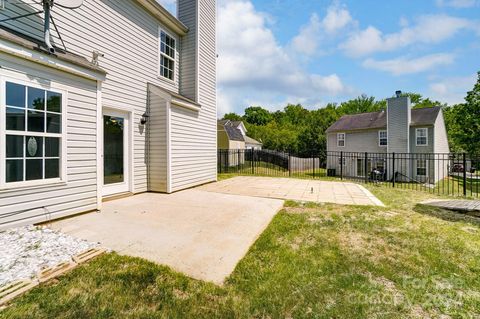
column 257, row 115
column 466, row 121
column 232, row 117
column 361, row 104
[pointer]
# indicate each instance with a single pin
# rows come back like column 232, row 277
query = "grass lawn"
column 313, row 261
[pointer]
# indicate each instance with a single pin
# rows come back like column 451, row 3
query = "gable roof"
column 250, row 140
column 377, row 120
column 233, row 133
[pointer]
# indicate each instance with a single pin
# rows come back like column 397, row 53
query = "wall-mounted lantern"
column 144, row 118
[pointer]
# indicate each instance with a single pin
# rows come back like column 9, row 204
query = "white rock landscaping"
column 24, row 251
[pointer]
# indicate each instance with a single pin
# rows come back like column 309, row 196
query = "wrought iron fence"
column 439, row 173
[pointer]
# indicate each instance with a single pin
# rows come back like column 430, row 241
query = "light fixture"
column 144, row 118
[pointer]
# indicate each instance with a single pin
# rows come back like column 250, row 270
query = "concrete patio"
column 203, row 234
column 296, row 189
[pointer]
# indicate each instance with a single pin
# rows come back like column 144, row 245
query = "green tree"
column 232, row 117
column 361, row 104
column 465, row 126
column 257, row 115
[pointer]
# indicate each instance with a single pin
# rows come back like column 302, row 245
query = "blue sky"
column 274, row 52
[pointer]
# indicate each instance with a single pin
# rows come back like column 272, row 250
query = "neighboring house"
column 399, row 129
column 252, row 144
column 130, row 106
column 231, row 134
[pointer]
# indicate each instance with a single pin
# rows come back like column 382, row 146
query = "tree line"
column 300, row 130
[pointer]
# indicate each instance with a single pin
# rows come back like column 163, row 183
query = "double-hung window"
column 382, row 138
column 421, row 136
column 33, row 134
column 167, row 56
column 421, row 167
column 341, row 139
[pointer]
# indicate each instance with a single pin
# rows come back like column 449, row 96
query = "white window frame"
column 3, row 134
column 417, row 136
column 380, row 138
column 417, row 167
column 344, row 139
column 160, row 54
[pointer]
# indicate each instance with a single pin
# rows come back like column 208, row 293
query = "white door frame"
column 126, row 185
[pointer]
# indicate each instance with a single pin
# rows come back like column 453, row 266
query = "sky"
column 275, row 52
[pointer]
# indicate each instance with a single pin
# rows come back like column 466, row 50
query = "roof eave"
column 164, row 16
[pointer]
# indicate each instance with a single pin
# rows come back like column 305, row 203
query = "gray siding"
column 157, row 143
column 187, row 13
column 128, row 36
column 413, row 143
column 440, row 137
column 356, row 141
column 79, row 192
column 398, row 123
column 194, row 133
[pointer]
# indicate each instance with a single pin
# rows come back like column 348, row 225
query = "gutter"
column 165, row 17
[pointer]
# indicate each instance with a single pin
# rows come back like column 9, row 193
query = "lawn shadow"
column 448, row 215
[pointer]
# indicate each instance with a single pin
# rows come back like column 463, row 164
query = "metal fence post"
column 393, row 169
column 313, row 162
column 464, row 174
column 341, row 165
column 289, row 165
column 366, row 167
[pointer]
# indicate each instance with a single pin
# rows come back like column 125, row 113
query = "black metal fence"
column 439, row 173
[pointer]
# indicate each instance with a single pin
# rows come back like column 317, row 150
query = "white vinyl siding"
column 78, row 191
column 421, row 137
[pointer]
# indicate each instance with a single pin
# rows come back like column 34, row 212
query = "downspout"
column 47, row 7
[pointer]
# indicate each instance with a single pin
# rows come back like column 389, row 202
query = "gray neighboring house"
column 399, row 129
column 128, row 107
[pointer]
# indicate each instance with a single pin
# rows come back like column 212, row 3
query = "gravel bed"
column 26, row 250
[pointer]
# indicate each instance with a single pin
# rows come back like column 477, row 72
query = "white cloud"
column 337, row 18
column 310, row 35
column 402, row 65
column 452, row 90
column 250, row 58
column 429, row 29
column 457, row 3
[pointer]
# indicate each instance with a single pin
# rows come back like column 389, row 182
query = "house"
column 122, row 102
column 415, row 135
column 230, row 135
column 233, row 135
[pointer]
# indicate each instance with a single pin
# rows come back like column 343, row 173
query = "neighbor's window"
column 421, row 136
column 382, row 138
column 33, row 133
column 167, row 56
column 341, row 139
column 421, row 167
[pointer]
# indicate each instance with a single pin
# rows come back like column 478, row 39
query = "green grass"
column 313, row 261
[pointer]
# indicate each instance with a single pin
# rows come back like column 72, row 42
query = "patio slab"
column 296, row 189
column 203, row 234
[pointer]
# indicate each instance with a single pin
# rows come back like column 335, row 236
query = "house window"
column 382, row 138
column 341, row 139
column 167, row 56
column 421, row 136
column 422, row 167
column 33, row 133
